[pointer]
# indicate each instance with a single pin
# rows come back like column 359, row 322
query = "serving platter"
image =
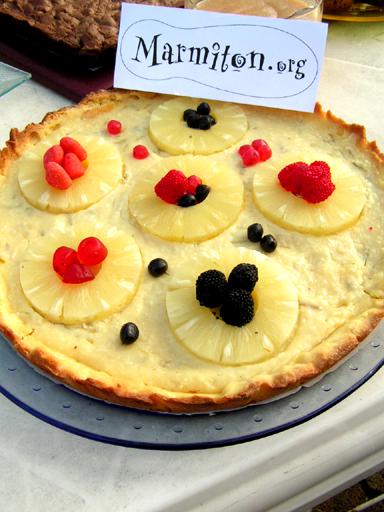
column 79, row 414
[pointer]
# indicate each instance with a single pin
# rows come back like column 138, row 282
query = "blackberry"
column 129, row 333
column 268, row 243
column 157, row 267
column 238, row 308
column 255, row 232
column 211, row 286
column 187, row 200
column 203, row 109
column 201, row 192
column 243, row 276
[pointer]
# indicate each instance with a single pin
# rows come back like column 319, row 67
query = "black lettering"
column 281, row 66
column 238, row 61
column 180, row 48
column 198, row 52
column 260, row 62
column 167, row 53
column 216, row 47
column 224, row 66
column 300, row 64
column 146, row 51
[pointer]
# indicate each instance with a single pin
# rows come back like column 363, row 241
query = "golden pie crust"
column 339, row 278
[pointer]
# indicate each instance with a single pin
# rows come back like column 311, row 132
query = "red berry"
column 56, row 176
column 311, row 182
column 114, row 127
column 77, row 273
column 290, row 177
column 250, row 157
column 73, row 166
column 172, row 186
column 91, row 251
column 262, row 148
column 192, row 183
column 62, row 258
column 140, row 152
column 54, row 154
column 72, row 146
column 243, row 149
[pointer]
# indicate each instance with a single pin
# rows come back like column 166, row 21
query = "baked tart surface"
column 317, row 295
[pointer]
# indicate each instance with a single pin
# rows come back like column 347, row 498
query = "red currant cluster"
column 257, row 151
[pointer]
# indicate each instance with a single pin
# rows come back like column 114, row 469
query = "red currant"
column 263, row 149
column 250, row 157
column 114, row 127
column 91, row 251
column 62, row 258
column 243, row 149
column 77, row 273
column 139, row 152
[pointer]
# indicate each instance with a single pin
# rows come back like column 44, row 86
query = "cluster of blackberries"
column 200, row 118
column 234, row 297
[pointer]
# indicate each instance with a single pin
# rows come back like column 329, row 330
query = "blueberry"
column 193, row 120
column 268, row 243
column 203, row 109
column 204, row 123
column 188, row 113
column 187, row 200
column 129, row 333
column 157, row 267
column 201, row 192
column 255, row 232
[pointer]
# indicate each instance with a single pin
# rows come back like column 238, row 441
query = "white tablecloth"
column 43, row 468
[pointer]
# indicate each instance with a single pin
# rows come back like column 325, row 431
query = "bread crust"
column 264, row 387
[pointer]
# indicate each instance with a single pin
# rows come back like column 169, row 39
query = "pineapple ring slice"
column 112, row 289
column 170, row 132
column 195, row 223
column 339, row 211
column 104, row 172
column 209, row 338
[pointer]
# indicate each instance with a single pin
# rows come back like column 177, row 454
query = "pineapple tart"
column 234, row 256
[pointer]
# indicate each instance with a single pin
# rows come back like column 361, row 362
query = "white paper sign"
column 243, row 59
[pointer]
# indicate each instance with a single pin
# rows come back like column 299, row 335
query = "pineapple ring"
column 170, row 132
column 112, row 289
column 339, row 211
column 209, row 338
column 196, row 223
column 104, row 172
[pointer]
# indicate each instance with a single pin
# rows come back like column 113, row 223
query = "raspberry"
column 315, row 190
column 56, row 176
column 243, row 276
column 211, row 286
column 290, row 177
column 73, row 166
column 243, row 149
column 72, row 146
column 91, row 251
column 172, row 186
column 262, row 148
column 54, row 154
column 62, row 258
column 140, row 152
column 238, row 308
column 311, row 182
column 114, row 127
column 250, row 157
column 193, row 183
column 77, row 273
